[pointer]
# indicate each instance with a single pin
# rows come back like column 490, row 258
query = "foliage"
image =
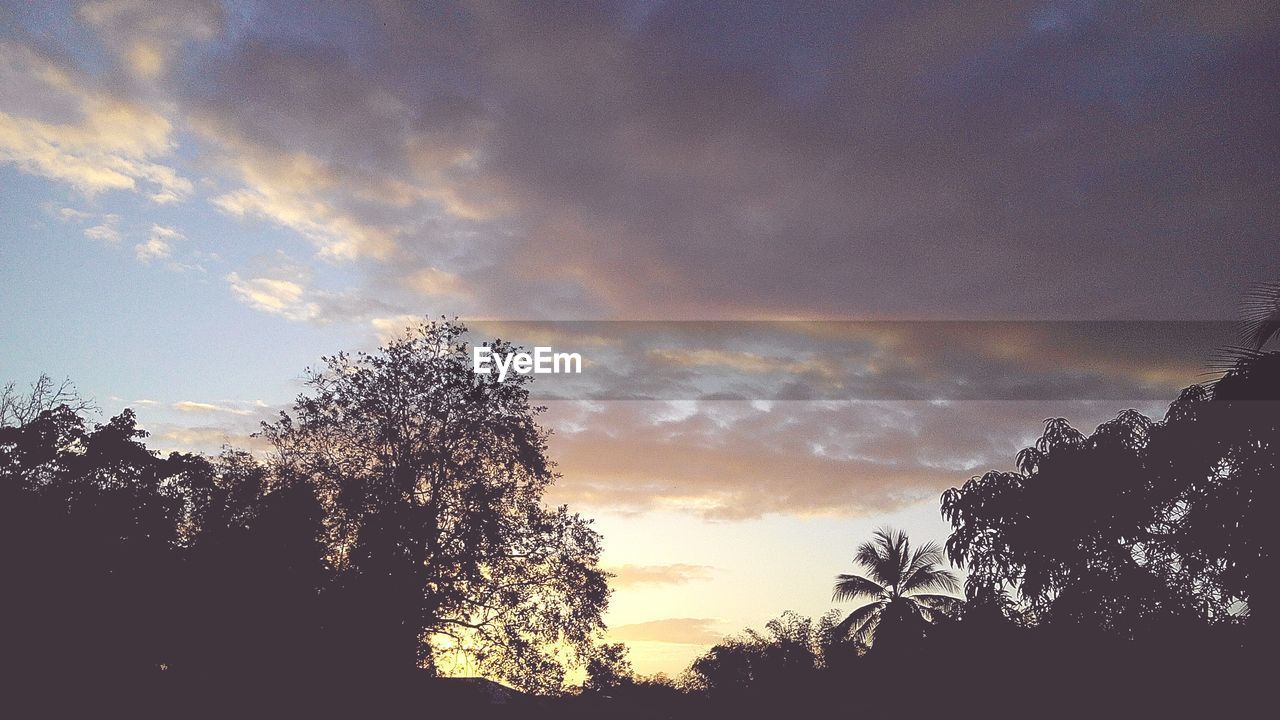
column 1143, row 525
column 790, row 647
column 608, row 669
column 900, row 588
column 431, row 478
column 399, row 519
column 134, row 569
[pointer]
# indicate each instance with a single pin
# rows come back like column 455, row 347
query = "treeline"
column 1126, row 573
column 132, row 579
column 396, row 526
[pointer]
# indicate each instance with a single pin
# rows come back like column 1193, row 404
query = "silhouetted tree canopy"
column 608, row 669
column 431, row 479
column 900, row 586
column 1141, row 527
column 90, row 522
column 754, row 664
column 399, row 522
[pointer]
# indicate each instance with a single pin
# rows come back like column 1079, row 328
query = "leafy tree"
column 758, row 662
column 254, row 576
column 1143, row 523
column 1077, row 531
column 608, row 669
column 1138, row 526
column 89, row 521
column 1218, row 453
column 900, row 585
column 129, row 575
column 431, row 479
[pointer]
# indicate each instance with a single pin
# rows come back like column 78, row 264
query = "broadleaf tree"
column 432, row 479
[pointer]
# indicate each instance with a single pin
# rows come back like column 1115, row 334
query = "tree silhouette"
column 608, row 669
column 1082, row 533
column 19, row 408
column 757, row 670
column 1145, row 528
column 90, row 522
column 431, row 478
column 253, row 584
column 900, row 585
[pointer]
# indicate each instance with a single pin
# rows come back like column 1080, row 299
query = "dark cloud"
column 951, row 162
column 696, row 160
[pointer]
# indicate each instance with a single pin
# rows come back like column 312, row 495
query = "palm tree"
column 1261, row 313
column 901, row 586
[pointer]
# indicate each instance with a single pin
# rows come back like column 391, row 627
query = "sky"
column 875, row 244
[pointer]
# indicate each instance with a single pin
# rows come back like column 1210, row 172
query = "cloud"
column 157, row 246
column 273, row 295
column 53, row 124
column 935, row 162
column 68, row 214
column 278, row 285
column 203, row 439
column 147, row 35
column 104, row 232
column 337, row 234
column 341, row 173
column 435, row 282
column 927, row 162
column 740, row 460
column 191, row 406
column 674, row 574
column 688, row 631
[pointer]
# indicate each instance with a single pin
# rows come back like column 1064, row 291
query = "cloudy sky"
column 198, row 199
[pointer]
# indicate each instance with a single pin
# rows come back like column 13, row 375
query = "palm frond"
column 932, row 578
column 852, row 587
column 871, row 556
column 925, row 556
column 885, row 556
column 856, row 622
column 939, row 604
column 1260, row 310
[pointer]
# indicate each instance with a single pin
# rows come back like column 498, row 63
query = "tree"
column 255, row 573
column 130, row 574
column 900, row 585
column 1079, row 531
column 758, row 664
column 19, row 408
column 431, row 480
column 89, row 519
column 608, row 669
column 1144, row 523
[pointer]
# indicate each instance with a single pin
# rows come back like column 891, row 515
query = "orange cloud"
column 684, row 631
column 674, row 574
